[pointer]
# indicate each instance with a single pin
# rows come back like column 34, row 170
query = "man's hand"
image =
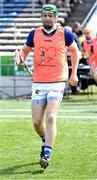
column 73, row 80
column 19, row 59
column 20, row 62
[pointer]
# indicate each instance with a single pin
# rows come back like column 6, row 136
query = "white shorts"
column 44, row 92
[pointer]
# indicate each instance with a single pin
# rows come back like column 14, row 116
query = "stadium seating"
column 18, row 18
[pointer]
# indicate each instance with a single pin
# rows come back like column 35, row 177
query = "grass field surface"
column 75, row 151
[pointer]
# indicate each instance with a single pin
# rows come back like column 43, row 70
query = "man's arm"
column 27, row 48
column 23, row 53
column 73, row 80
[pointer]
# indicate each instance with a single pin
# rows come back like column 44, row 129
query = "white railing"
column 91, row 19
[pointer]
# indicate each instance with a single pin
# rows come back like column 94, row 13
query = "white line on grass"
column 59, row 116
column 61, row 110
column 77, row 117
column 15, row 116
column 75, row 110
column 13, row 110
column 79, row 103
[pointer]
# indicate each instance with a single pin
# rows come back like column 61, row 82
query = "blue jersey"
column 68, row 36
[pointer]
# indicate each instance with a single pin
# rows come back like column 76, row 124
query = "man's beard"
column 48, row 27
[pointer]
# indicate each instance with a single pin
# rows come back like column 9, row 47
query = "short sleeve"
column 30, row 39
column 68, row 37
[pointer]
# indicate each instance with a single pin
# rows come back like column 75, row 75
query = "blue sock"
column 47, row 151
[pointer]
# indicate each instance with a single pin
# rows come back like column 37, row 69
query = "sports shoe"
column 42, row 151
column 44, row 162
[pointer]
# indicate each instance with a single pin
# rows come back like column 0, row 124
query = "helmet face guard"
column 50, row 8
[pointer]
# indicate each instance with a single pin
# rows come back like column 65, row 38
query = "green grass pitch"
column 74, row 154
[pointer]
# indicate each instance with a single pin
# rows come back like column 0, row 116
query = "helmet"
column 50, row 8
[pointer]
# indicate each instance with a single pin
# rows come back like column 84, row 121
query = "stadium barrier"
column 14, row 80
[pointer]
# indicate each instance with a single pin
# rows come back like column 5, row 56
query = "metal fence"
column 13, row 82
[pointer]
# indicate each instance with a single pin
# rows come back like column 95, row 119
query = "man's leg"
column 54, row 98
column 39, row 124
column 51, row 112
column 38, row 119
column 50, row 134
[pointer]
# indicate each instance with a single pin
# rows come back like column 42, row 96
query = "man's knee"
column 51, row 118
column 36, row 121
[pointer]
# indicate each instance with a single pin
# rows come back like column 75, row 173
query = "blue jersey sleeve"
column 68, row 37
column 30, row 39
